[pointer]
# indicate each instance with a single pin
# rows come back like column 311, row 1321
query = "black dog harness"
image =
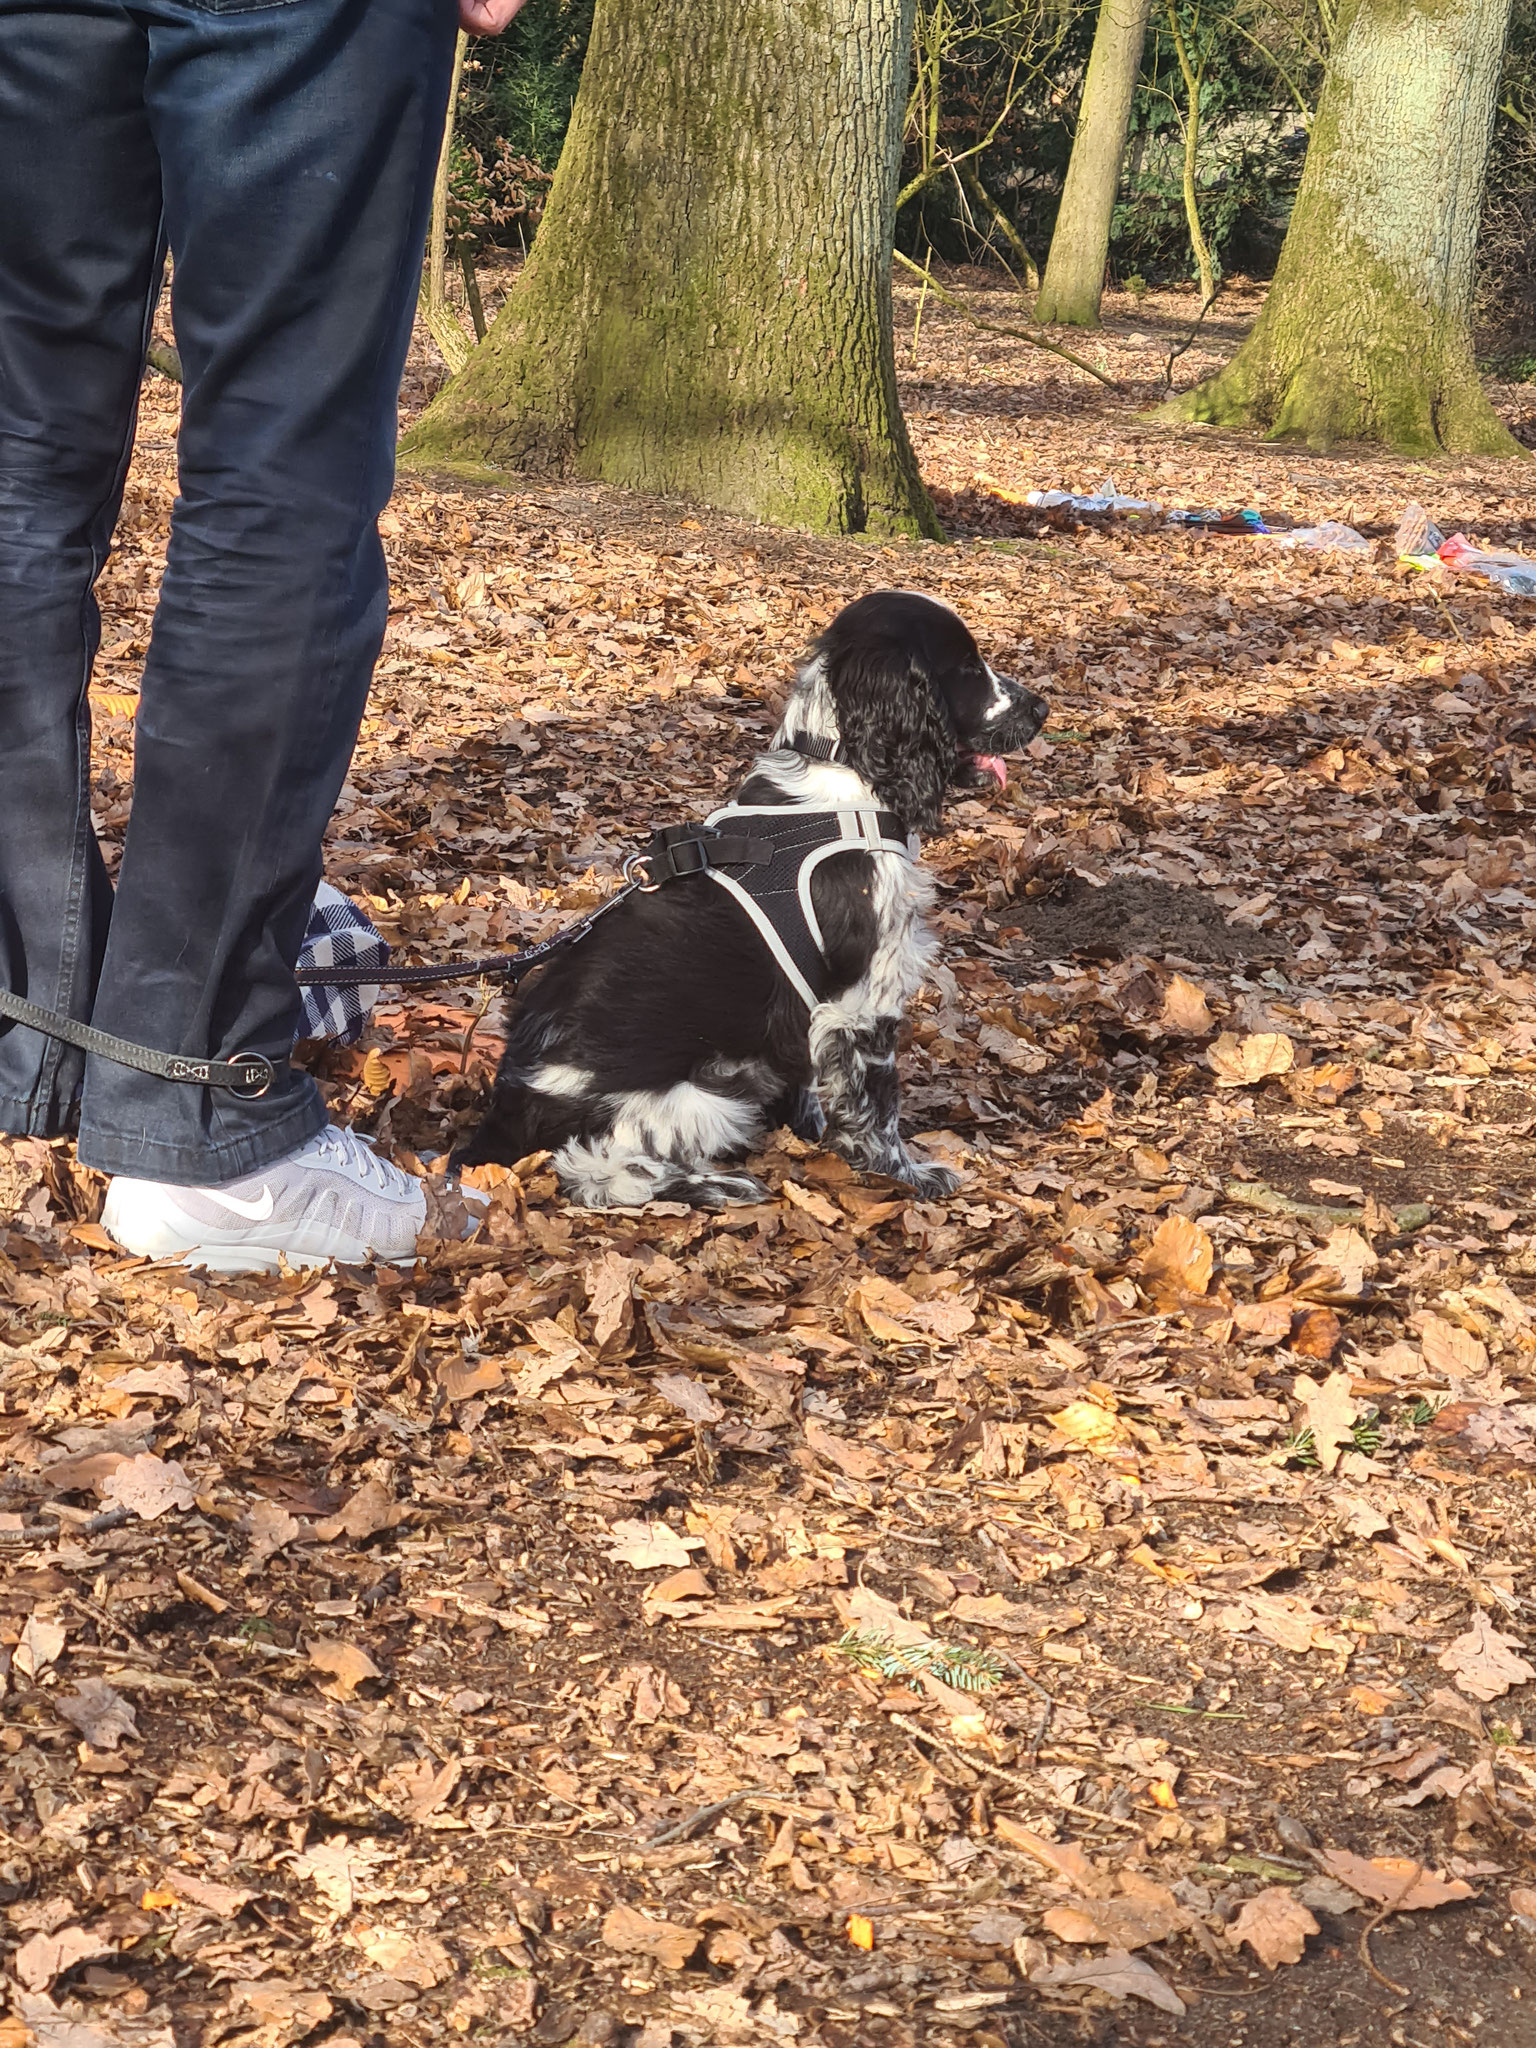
column 765, row 855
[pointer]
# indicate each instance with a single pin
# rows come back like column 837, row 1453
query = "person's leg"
column 79, row 271
column 297, row 143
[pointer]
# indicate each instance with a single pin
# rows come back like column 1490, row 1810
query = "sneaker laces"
column 338, row 1146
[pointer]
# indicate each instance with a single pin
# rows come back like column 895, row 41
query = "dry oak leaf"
column 892, row 1316
column 1396, row 1880
column 1014, row 1617
column 1119, row 1923
column 347, row 1664
column 1239, row 1063
column 633, row 1933
column 647, row 1545
column 854, row 1461
column 418, row 1959
column 1316, row 1334
column 423, row 1789
column 1119, row 1973
column 209, row 1896
column 1484, row 1663
column 1180, row 1252
column 1451, row 1350
column 339, row 1869
column 271, row 1528
column 610, row 1284
column 44, row 2025
column 1088, row 1424
column 1522, row 1899
column 814, row 1205
column 1275, row 1926
column 1350, row 1257
column 1284, row 1619
column 103, row 1716
column 149, row 1487
column 46, row 1956
column 690, row 1397
column 1331, row 1411
column 1185, row 1012
column 42, row 1643
column 368, row 1511
column 1065, row 1858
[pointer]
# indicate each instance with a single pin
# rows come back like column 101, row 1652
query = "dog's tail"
column 612, row 1172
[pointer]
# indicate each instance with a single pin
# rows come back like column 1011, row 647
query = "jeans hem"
column 143, row 1158
column 23, row 1117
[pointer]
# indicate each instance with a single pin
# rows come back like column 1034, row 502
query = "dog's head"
column 898, row 684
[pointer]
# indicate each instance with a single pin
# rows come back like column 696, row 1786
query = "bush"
column 514, row 108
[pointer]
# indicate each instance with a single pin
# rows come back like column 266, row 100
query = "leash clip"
column 636, row 867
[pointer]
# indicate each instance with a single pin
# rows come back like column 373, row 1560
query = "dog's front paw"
column 931, row 1181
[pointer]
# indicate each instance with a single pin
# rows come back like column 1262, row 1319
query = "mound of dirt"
column 1133, row 914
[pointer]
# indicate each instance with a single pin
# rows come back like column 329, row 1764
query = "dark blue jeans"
column 284, row 151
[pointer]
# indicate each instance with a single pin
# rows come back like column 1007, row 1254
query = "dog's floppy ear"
column 894, row 730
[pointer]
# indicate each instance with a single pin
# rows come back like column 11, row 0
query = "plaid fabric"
column 339, row 935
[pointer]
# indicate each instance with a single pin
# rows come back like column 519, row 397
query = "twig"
column 1188, row 341
column 1388, row 1906
column 1048, row 1711
column 44, row 1532
column 997, row 327
column 1014, row 1778
column 703, row 1815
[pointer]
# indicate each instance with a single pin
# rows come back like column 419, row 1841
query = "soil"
column 1126, row 916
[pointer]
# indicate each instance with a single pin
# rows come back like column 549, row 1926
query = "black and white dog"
column 696, row 1017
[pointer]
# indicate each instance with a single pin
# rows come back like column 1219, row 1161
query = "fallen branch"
column 703, row 1815
column 997, row 326
column 1014, row 1778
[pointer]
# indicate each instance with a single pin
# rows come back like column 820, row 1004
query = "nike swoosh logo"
column 256, row 1212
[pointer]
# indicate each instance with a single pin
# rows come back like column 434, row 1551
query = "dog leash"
column 248, row 1074
column 674, row 852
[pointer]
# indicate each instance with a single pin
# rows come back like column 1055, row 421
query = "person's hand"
column 486, row 17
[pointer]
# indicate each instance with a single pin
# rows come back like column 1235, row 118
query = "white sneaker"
column 334, row 1198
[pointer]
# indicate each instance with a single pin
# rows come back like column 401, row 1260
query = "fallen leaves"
column 633, row 1933
column 41, row 1643
column 1395, row 1881
column 1119, row 1974
column 149, row 1487
column 1275, row 1925
column 345, row 1664
column 1330, row 1409
column 1484, row 1663
column 648, row 1546
column 47, row 1956
column 1244, row 1062
column 1180, row 1252
column 538, row 1555
column 103, row 1716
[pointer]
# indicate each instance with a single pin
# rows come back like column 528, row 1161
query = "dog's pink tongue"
column 995, row 766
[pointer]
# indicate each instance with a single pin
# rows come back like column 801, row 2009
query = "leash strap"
column 248, row 1074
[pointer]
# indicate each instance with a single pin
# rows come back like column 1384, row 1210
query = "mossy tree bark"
column 1074, row 270
column 1365, row 334
column 707, row 309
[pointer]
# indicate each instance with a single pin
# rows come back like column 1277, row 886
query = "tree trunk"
column 442, row 321
column 707, row 309
column 1365, row 334
column 1074, row 270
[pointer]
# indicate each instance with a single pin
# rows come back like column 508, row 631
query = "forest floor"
column 459, row 1658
